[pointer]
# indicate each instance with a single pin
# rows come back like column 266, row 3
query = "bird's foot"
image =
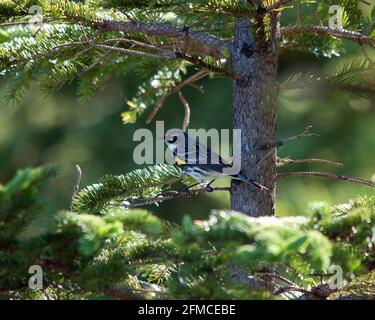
column 187, row 190
column 209, row 189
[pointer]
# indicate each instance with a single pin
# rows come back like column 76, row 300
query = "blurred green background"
column 59, row 129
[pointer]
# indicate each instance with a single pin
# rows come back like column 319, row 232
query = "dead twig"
column 163, row 55
column 278, row 143
column 326, row 175
column 321, row 291
column 305, row 134
column 240, row 275
column 159, row 104
column 139, row 44
column 199, row 88
column 285, row 161
column 284, row 289
column 77, row 184
column 102, row 57
column 321, row 30
column 185, row 103
column 279, row 277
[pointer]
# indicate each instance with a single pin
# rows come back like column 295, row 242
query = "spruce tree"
column 106, row 244
column 107, row 247
column 178, row 43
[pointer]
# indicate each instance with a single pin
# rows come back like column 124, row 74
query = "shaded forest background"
column 59, row 129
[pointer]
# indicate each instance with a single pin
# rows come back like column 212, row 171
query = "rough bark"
column 254, row 112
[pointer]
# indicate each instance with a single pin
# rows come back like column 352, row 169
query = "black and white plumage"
column 199, row 162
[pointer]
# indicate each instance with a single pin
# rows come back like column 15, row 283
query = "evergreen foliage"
column 106, row 246
column 66, row 46
column 120, row 190
column 352, row 76
column 131, row 253
column 19, row 206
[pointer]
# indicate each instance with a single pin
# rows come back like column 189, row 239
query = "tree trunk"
column 254, row 112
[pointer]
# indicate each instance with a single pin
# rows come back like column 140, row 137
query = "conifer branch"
column 164, row 54
column 211, row 42
column 326, row 175
column 168, row 55
column 132, row 52
column 277, row 276
column 284, row 289
column 136, row 43
column 198, row 61
column 124, row 189
column 276, row 5
column 320, row 30
column 102, row 57
column 122, row 243
column 354, row 76
column 321, row 291
column 14, row 23
column 172, row 194
column 242, row 276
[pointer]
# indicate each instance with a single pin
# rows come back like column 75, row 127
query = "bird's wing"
column 197, row 153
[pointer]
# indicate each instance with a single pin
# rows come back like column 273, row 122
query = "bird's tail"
column 250, row 181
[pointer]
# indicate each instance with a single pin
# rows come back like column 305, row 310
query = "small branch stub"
column 77, row 184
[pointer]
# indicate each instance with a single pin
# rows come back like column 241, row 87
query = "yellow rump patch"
column 180, row 161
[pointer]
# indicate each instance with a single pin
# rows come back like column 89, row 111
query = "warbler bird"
column 199, row 162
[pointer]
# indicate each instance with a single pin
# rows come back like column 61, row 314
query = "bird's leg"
column 208, row 186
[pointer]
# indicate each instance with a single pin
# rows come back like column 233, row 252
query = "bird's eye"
column 173, row 140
